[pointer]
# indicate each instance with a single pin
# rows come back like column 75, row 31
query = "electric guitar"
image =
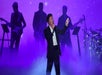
column 80, row 21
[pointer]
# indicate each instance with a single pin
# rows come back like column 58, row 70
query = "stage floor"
column 31, row 60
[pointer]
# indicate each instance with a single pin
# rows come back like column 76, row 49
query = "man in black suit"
column 53, row 47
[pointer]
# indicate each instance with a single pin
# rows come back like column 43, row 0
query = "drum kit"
column 94, row 42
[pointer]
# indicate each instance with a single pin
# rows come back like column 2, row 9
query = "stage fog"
column 81, row 54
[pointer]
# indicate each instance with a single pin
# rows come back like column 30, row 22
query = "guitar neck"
column 76, row 23
column 4, row 20
column 7, row 23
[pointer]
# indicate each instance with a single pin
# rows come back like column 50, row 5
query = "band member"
column 39, row 23
column 53, row 46
column 17, row 26
column 65, row 38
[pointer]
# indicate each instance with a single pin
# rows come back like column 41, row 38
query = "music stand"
column 75, row 32
column 5, row 30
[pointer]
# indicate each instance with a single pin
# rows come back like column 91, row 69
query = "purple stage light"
column 33, row 52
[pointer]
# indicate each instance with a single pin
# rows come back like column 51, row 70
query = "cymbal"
column 99, row 29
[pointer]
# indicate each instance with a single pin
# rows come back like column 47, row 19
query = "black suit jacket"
column 48, row 35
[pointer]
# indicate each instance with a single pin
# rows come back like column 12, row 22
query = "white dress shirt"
column 54, row 39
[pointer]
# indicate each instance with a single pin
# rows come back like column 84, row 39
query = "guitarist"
column 65, row 38
column 17, row 20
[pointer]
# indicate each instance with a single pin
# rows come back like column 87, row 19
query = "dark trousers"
column 15, row 40
column 50, row 61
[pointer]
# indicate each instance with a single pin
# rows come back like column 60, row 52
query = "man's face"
column 64, row 9
column 51, row 21
column 41, row 7
column 15, row 9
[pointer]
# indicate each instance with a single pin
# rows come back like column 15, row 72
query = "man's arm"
column 48, row 35
column 71, row 26
column 11, row 21
column 34, row 21
column 24, row 23
column 62, row 31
